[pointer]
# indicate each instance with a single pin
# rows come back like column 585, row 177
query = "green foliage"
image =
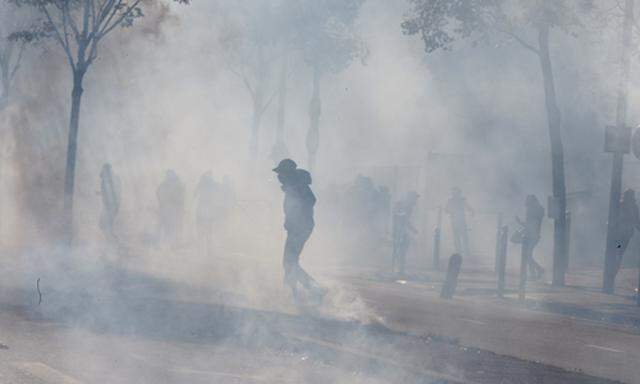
column 441, row 23
column 78, row 26
column 324, row 32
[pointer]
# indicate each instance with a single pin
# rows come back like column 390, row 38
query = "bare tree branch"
column 16, row 65
column 519, row 40
column 269, row 100
column 63, row 42
column 126, row 13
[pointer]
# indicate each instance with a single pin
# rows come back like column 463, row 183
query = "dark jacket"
column 299, row 200
column 533, row 222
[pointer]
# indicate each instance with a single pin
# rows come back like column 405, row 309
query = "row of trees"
column 77, row 28
column 264, row 38
column 264, row 42
column 531, row 24
column 261, row 40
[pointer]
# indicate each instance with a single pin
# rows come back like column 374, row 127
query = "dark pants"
column 621, row 243
column 461, row 238
column 399, row 256
column 535, row 269
column 293, row 272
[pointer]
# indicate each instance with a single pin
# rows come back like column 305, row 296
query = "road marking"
column 45, row 373
column 473, row 321
column 604, row 348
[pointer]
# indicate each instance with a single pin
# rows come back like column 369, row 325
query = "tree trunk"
column 611, row 252
column 72, row 146
column 279, row 150
column 258, row 106
column 255, row 130
column 557, row 158
column 6, row 83
column 315, row 110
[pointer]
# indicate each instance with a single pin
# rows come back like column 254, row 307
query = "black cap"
column 285, row 165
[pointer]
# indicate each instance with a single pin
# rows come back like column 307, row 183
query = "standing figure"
column 402, row 225
column 170, row 195
column 205, row 210
column 110, row 192
column 531, row 233
column 628, row 222
column 299, row 201
column 457, row 208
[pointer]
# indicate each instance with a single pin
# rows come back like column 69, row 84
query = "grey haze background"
column 160, row 96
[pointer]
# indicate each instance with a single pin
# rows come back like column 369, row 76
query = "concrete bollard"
column 451, row 281
column 436, row 249
column 502, row 258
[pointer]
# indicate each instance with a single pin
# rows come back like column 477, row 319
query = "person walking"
column 402, row 229
column 110, row 193
column 531, row 228
column 299, row 202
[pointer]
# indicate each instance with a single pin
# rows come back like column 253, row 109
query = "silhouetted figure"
column 628, row 222
column 531, row 233
column 110, row 192
column 457, row 208
column 225, row 204
column 383, row 210
column 402, row 229
column 205, row 209
column 171, row 196
column 366, row 210
column 299, row 201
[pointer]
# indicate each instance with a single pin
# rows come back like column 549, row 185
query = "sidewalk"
column 575, row 328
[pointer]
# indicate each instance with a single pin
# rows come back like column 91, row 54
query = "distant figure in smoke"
column 171, row 196
column 628, row 222
column 457, row 208
column 226, row 203
column 205, row 209
column 383, row 202
column 110, row 192
column 402, row 229
column 299, row 201
column 531, row 233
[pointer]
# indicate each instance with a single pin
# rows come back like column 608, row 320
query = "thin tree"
column 612, row 256
column 250, row 47
column 326, row 36
column 530, row 23
column 79, row 27
column 14, row 39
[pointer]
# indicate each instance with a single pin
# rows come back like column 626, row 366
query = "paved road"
column 594, row 348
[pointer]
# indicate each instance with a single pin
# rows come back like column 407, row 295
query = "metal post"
column 437, row 235
column 436, row 249
column 451, row 281
column 609, row 273
column 498, row 237
column 524, row 260
column 502, row 258
column 638, row 289
column 567, row 247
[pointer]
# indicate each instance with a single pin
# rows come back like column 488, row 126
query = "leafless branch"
column 16, row 65
column 519, row 40
column 115, row 23
column 243, row 77
column 63, row 42
column 269, row 100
